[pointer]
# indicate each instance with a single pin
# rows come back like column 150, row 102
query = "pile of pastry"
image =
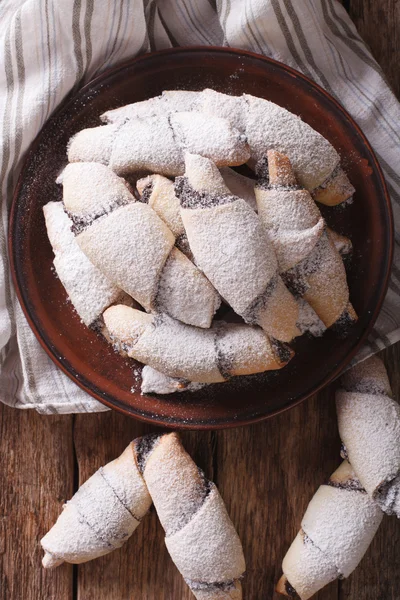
column 156, row 231
column 335, row 532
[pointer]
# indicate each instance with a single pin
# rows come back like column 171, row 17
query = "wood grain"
column 36, row 466
column 378, row 22
column 266, row 473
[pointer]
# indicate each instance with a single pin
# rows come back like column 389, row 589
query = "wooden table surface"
column 266, row 473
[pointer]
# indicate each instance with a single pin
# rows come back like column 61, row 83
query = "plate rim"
column 168, row 422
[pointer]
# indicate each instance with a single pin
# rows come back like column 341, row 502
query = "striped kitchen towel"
column 50, row 47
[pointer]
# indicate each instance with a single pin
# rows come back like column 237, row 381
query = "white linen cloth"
column 50, row 47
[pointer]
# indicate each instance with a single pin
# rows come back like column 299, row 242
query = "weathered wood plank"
column 378, row 22
column 36, row 467
column 267, row 474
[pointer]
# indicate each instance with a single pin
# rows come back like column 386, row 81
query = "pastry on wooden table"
column 109, row 506
column 102, row 515
column 369, row 426
column 230, row 245
column 89, row 291
column 266, row 126
column 336, row 531
column 307, row 257
column 190, row 353
column 129, row 243
column 157, row 144
column 199, row 534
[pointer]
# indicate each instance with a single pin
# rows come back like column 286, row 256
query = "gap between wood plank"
column 75, row 487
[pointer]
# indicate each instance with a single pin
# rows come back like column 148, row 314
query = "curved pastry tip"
column 336, row 190
column 228, row 591
column 284, row 588
column 281, row 172
column 92, row 145
column 204, row 175
column 369, row 375
column 142, row 183
column 125, row 324
column 342, row 243
column 282, row 351
column 49, row 561
column 346, row 320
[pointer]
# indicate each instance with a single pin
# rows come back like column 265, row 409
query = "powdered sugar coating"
column 342, row 243
column 369, row 426
column 295, row 209
column 158, row 143
column 335, row 190
column 271, row 127
column 92, row 189
column 191, row 353
column 212, row 137
column 184, row 293
column 146, row 144
column 240, row 185
column 173, row 101
column 231, row 247
column 227, row 240
column 207, row 548
column 337, row 528
column 130, row 246
column 367, row 376
column 169, row 346
column 293, row 222
column 199, row 534
column 92, row 145
column 307, row 568
column 305, row 251
column 293, row 247
column 266, row 126
column 342, row 524
column 328, row 292
column 101, row 516
column 161, row 198
column 175, row 483
column 89, row 290
column 154, row 382
column 58, row 226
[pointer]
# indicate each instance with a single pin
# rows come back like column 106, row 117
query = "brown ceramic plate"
column 86, row 357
